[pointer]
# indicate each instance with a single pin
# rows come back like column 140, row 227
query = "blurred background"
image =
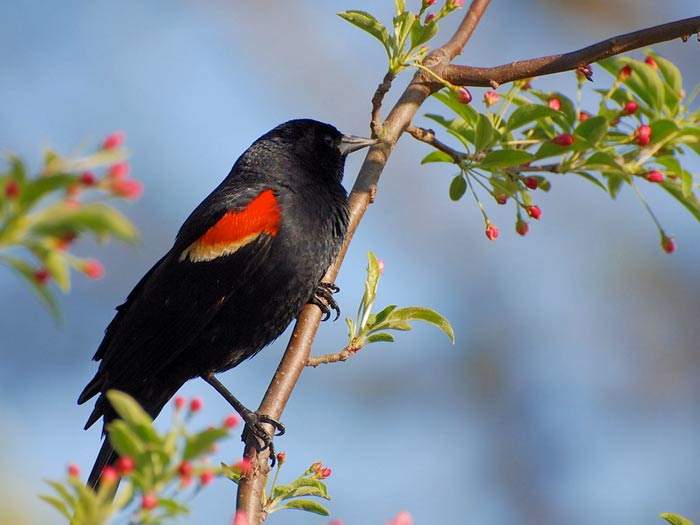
column 572, row 393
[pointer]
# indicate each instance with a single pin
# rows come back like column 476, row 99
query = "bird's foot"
column 257, row 435
column 323, row 298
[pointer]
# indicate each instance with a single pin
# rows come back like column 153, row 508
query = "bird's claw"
column 261, row 438
column 323, row 298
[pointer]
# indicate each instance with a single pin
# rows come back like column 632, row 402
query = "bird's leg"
column 253, row 420
column 323, row 298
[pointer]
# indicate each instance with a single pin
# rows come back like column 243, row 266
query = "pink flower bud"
column 125, row 465
column 93, row 269
column 119, row 171
column 402, row 518
column 109, row 475
column 491, row 98
column 429, row 18
column 128, row 188
column 42, row 276
column 149, row 501
column 114, row 140
column 643, row 134
column 625, row 72
column 649, row 61
column 281, row 458
column 668, row 244
column 88, row 179
column 554, row 103
column 231, row 421
column 583, row 116
column 12, row 189
column 531, row 182
column 73, row 470
column 522, row 227
column 655, row 176
column 206, row 477
column 464, row 96
column 179, row 402
column 492, row 232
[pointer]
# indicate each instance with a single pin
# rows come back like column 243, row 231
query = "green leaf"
column 381, row 337
column 484, row 133
column 615, row 181
column 528, row 113
column 458, row 187
column 673, row 78
column 172, row 507
column 505, row 158
column 458, row 128
column 449, row 99
column 675, row 519
column 27, row 271
column 437, row 156
column 131, row 412
column 124, row 440
column 420, row 34
column 371, row 25
column 400, row 6
column 382, row 316
column 202, row 443
column 690, row 202
column 36, row 189
column 651, row 90
column 686, row 184
column 231, row 473
column 57, row 504
column 592, row 179
column 57, row 265
column 592, row 130
column 99, row 219
column 303, row 486
column 308, row 506
column 602, row 158
column 420, row 313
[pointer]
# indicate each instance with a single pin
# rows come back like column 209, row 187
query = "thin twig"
column 377, row 99
column 486, row 76
column 345, row 354
column 428, row 136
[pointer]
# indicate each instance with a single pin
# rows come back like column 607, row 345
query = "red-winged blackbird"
column 243, row 265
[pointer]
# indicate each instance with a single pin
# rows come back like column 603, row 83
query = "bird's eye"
column 328, row 140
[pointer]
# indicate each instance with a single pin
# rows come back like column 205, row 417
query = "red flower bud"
column 73, row 470
column 149, row 501
column 231, row 421
column 42, row 276
column 531, row 182
column 554, row 103
column 585, row 71
column 455, row 4
column 492, row 232
column 12, row 189
column 128, row 188
column 534, row 211
column 501, row 198
column 402, row 518
column 109, row 475
column 655, row 176
column 196, row 404
column 491, row 98
column 667, row 243
column 428, row 3
column 649, row 61
column 630, row 107
column 93, row 269
column 464, row 96
column 125, row 465
column 114, row 140
column 565, row 139
column 643, row 134
column 625, row 72
column 429, row 18
column 522, row 227
column 583, row 116
column 281, row 458
column 185, row 469
column 206, row 477
column 179, row 402
column 88, row 179
column 325, row 473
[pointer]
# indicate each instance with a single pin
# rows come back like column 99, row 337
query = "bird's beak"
column 350, row 143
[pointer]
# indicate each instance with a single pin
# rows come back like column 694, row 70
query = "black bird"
column 242, row 266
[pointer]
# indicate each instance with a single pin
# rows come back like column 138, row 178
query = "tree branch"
column 486, row 76
column 428, row 136
column 251, row 487
column 382, row 89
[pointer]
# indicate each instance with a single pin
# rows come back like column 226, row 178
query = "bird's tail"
column 106, row 457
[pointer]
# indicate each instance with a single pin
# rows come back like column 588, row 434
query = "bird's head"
column 314, row 144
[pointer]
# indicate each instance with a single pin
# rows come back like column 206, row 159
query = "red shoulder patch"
column 236, row 229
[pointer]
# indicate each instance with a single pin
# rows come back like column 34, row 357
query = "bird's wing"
column 219, row 245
